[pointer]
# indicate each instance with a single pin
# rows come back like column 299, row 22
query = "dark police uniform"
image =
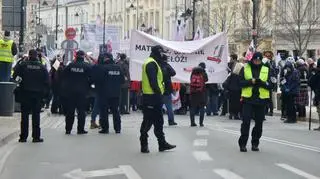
column 76, row 83
column 33, row 86
column 255, row 96
column 153, row 89
column 109, row 94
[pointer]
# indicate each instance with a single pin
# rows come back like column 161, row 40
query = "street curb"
column 8, row 138
column 5, row 140
column 278, row 114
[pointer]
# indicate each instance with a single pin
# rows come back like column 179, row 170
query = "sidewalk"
column 10, row 127
column 314, row 114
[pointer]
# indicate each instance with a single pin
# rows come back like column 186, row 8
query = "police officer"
column 76, row 83
column 34, row 84
column 153, row 89
column 255, row 84
column 108, row 79
column 8, row 49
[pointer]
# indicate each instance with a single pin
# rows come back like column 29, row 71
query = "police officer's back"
column 76, row 83
column 34, row 84
column 108, row 78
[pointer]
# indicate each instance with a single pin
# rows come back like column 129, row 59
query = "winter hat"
column 202, row 65
column 257, row 56
column 300, row 62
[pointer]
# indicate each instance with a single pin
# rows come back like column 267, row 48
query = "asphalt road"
column 288, row 151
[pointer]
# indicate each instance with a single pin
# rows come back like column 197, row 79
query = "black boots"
column 243, row 149
column 145, row 149
column 172, row 123
column 166, row 146
column 255, row 148
column 162, row 147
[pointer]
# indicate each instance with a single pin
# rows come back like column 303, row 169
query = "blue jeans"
column 95, row 110
column 167, row 99
column 212, row 106
column 5, row 71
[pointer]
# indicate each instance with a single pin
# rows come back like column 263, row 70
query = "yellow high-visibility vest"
column 146, row 87
column 5, row 51
column 247, row 91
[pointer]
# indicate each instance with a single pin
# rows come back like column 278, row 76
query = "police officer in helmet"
column 76, row 83
column 255, row 83
column 33, row 81
column 153, row 89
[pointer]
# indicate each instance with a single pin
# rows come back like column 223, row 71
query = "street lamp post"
column 254, row 23
column 21, row 38
column 104, row 24
column 57, row 21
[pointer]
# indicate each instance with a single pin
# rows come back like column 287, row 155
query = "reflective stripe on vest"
column 247, row 91
column 146, row 88
column 5, row 51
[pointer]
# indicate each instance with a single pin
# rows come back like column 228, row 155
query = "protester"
column 168, row 72
column 198, row 98
column 76, row 82
column 153, row 89
column 255, row 84
column 302, row 100
column 314, row 83
column 33, row 81
column 269, row 62
column 124, row 97
column 212, row 91
column 233, row 90
column 8, row 49
column 55, row 75
column 290, row 89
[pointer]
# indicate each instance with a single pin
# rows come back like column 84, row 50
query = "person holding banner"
column 153, row 90
column 255, row 82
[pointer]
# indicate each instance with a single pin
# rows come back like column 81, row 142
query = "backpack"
column 197, row 83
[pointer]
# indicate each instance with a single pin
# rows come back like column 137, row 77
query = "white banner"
column 92, row 38
column 183, row 56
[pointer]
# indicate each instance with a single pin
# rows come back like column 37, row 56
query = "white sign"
column 126, row 170
column 183, row 56
column 92, row 38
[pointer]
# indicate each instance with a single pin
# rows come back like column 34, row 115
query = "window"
column 157, row 24
column 151, row 18
column 93, row 9
column 98, row 8
column 311, row 53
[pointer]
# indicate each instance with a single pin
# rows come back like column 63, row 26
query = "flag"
column 180, row 30
column 198, row 35
column 250, row 51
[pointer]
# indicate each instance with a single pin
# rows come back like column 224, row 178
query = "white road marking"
column 129, row 172
column 123, row 169
column 202, row 133
column 226, row 174
column 268, row 139
column 201, row 156
column 200, row 143
column 296, row 171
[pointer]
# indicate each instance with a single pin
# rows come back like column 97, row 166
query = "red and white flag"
column 250, row 51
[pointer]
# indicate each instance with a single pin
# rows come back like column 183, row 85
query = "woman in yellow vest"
column 8, row 49
column 256, row 85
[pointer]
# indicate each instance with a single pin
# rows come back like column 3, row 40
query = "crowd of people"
column 103, row 86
